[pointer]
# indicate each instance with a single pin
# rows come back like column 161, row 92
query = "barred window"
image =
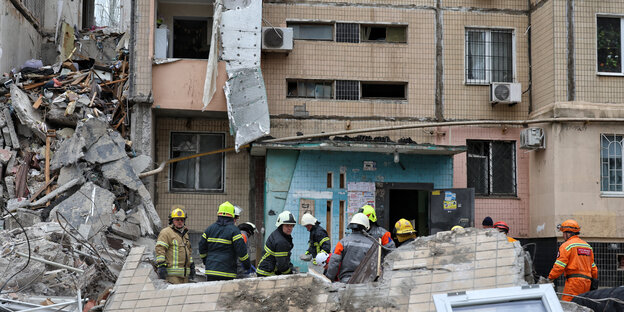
column 489, row 56
column 202, row 174
column 347, row 32
column 609, row 44
column 611, row 163
column 347, row 90
column 491, row 167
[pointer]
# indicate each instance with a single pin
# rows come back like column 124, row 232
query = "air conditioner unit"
column 532, row 139
column 505, row 92
column 277, row 39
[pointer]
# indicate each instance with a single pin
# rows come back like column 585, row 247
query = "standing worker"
column 502, row 226
column 247, row 230
column 375, row 230
column 276, row 258
column 576, row 259
column 173, row 250
column 350, row 251
column 319, row 240
column 404, row 231
column 221, row 245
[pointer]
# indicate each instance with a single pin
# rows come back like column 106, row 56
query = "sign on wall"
column 306, row 205
column 359, row 194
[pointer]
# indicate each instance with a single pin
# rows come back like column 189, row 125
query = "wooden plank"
column 38, row 102
column 112, row 82
column 43, row 188
column 367, row 270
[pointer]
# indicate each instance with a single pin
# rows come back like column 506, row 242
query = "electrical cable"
column 594, row 300
column 27, row 241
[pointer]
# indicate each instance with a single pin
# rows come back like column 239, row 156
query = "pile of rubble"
column 72, row 204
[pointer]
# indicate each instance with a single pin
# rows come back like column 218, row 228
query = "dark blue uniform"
column 276, row 258
column 220, row 246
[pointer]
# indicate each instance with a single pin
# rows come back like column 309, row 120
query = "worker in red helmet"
column 575, row 259
column 503, row 227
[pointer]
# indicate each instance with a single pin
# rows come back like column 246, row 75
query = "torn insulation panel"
column 210, row 84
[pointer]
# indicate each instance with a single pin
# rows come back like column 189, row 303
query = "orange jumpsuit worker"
column 503, row 227
column 576, row 260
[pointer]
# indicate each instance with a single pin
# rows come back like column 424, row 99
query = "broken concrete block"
column 118, row 139
column 91, row 130
column 9, row 182
column 10, row 167
column 69, row 173
column 24, row 131
column 120, row 215
column 26, row 218
column 85, row 230
column 140, row 163
column 5, row 156
column 68, row 153
column 65, row 133
column 27, row 115
column 6, row 136
column 10, row 129
column 126, row 229
column 121, row 171
column 104, row 151
column 57, row 115
column 91, row 204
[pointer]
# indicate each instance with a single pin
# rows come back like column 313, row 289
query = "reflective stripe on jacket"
column 319, row 240
column 575, row 257
column 347, row 255
column 276, row 257
column 378, row 232
column 221, row 245
column 173, row 249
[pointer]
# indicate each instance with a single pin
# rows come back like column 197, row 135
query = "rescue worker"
column 404, row 231
column 457, row 228
column 502, row 226
column 376, row 230
column 237, row 213
column 220, row 246
column 173, row 250
column 247, row 230
column 276, row 257
column 575, row 259
column 350, row 251
column 487, row 223
column 319, row 240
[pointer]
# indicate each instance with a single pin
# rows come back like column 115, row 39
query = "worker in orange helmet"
column 503, row 227
column 575, row 259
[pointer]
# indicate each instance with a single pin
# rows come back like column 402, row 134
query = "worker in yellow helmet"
column 375, row 230
column 173, row 250
column 404, row 231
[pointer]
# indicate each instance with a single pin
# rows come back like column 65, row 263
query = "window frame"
column 489, row 166
column 488, row 31
column 289, row 23
column 608, row 193
column 171, row 48
column 362, row 25
column 607, row 15
column 196, row 190
column 369, row 82
column 316, row 81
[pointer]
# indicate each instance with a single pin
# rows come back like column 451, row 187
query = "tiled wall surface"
column 201, row 207
column 142, row 70
column 542, row 45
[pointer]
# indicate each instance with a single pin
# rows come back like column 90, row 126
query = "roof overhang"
column 260, row 148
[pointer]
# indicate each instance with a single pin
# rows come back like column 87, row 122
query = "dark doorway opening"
column 191, row 38
column 411, row 205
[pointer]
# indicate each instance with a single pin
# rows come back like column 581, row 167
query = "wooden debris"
column 38, row 102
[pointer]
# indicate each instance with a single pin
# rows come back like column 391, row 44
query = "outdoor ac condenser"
column 277, row 39
column 532, row 139
column 505, row 92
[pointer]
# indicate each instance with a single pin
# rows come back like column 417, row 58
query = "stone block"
column 9, row 183
column 126, row 229
column 5, row 156
column 69, row 173
column 141, row 163
column 121, row 171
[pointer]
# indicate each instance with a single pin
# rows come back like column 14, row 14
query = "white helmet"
column 321, row 258
column 361, row 219
column 285, row 218
column 308, row 219
column 237, row 211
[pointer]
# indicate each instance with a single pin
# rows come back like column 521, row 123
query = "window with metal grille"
column 489, row 56
column 609, row 44
column 202, row 174
column 309, row 89
column 347, row 90
column 491, row 167
column 348, row 32
column 611, row 163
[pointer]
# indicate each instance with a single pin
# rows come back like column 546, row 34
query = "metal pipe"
column 53, row 194
column 51, row 263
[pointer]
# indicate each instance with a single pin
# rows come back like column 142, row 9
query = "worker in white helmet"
column 350, row 251
column 319, row 240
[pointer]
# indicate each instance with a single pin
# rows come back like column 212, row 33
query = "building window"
column 191, row 37
column 347, row 90
column 489, row 56
column 611, row 163
column 309, row 89
column 202, row 174
column 491, row 167
column 609, row 44
column 378, row 90
column 309, row 31
column 384, row 33
column 347, row 32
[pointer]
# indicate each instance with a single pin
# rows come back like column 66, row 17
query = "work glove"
column 162, row 272
column 306, row 257
column 252, row 269
column 192, row 274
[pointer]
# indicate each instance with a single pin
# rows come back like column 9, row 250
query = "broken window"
column 348, row 32
column 489, row 56
column 309, row 89
column 609, row 44
column 384, row 33
column 611, row 162
column 347, row 90
column 380, row 90
column 203, row 174
column 191, row 37
column 101, row 13
column 310, row 31
column 491, row 167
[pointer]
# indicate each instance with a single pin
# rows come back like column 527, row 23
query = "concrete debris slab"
column 9, row 183
column 103, row 151
column 68, row 153
column 9, row 131
column 118, row 139
column 69, row 173
column 26, row 113
column 121, row 171
column 126, row 229
column 5, row 156
column 26, row 218
column 91, row 130
column 141, row 163
column 91, row 204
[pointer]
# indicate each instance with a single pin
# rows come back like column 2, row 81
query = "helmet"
column 369, row 211
column 569, row 226
column 308, row 219
column 226, row 210
column 501, row 225
column 177, row 212
column 487, row 221
column 285, row 218
column 359, row 219
column 248, row 226
column 404, row 227
column 237, row 211
column 457, row 227
column 321, row 258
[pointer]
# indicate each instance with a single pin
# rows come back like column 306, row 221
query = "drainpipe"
column 571, row 69
column 529, row 31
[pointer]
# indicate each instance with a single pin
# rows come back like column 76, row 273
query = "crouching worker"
column 319, row 240
column 350, row 251
column 247, row 230
column 220, row 246
column 276, row 258
column 173, row 250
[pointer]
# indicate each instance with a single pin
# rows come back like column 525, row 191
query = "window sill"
column 497, row 197
column 609, row 74
column 612, row 194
